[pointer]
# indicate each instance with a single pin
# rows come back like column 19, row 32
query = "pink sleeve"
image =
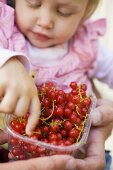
column 5, row 55
column 86, row 38
column 10, row 37
column 12, row 42
column 4, row 1
column 103, row 69
column 85, row 42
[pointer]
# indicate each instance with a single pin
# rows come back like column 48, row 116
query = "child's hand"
column 18, row 93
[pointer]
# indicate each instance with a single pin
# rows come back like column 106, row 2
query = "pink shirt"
column 78, row 60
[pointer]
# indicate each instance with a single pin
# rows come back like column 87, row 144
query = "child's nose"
column 45, row 19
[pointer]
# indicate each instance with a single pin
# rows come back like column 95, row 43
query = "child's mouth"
column 41, row 37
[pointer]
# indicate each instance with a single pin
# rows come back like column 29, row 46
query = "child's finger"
column 22, row 106
column 8, row 102
column 34, row 115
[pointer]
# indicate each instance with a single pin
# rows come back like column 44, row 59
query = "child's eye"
column 64, row 13
column 34, row 3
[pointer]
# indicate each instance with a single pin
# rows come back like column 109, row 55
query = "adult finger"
column 92, row 163
column 104, row 102
column 95, row 153
column 3, row 137
column 102, row 115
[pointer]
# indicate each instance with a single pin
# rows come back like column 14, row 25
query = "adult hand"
column 102, row 123
column 3, row 137
column 18, row 93
column 94, row 158
column 56, row 162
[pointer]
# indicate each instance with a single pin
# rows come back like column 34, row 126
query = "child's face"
column 46, row 23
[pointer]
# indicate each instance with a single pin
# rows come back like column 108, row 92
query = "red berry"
column 73, row 118
column 59, row 111
column 71, row 105
column 67, row 125
column 67, row 112
column 74, row 133
column 87, row 101
column 73, row 85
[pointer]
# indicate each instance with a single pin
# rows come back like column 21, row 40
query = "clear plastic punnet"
column 22, row 147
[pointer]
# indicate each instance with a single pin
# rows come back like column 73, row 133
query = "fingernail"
column 96, row 118
column 70, row 165
column 28, row 131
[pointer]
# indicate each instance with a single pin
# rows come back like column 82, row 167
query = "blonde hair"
column 92, row 5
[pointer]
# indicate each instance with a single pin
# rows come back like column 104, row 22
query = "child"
column 59, row 43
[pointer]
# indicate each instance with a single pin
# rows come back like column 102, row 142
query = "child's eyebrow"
column 72, row 3
column 34, row 1
column 69, row 5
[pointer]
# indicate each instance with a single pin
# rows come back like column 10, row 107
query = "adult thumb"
column 102, row 115
column 56, row 162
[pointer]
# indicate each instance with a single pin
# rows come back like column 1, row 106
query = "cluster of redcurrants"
column 62, row 121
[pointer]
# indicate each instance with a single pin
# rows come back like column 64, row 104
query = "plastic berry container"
column 22, row 147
